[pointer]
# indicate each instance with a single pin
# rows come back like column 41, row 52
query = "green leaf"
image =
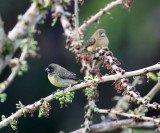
column 152, row 76
column 137, row 131
column 142, row 131
column 95, row 110
column 54, row 21
column 3, row 97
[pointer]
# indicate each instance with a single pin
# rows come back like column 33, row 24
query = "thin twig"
column 11, row 77
column 2, row 36
column 135, row 81
column 76, row 15
column 132, row 73
column 157, row 121
column 151, row 94
column 113, row 125
column 123, row 100
column 100, row 13
column 154, row 91
column 28, row 108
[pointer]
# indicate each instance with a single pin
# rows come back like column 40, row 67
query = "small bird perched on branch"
column 61, row 77
column 98, row 39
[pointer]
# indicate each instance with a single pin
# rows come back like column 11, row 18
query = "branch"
column 52, row 97
column 139, row 117
column 32, row 16
column 64, row 21
column 113, row 66
column 100, row 13
column 88, row 115
column 123, row 100
column 130, row 74
column 107, row 126
column 2, row 35
column 76, row 15
column 91, row 102
column 28, row 108
column 30, row 19
column 11, row 77
column 154, row 91
column 113, row 125
column 151, row 94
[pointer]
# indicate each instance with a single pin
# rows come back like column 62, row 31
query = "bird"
column 61, row 77
column 98, row 39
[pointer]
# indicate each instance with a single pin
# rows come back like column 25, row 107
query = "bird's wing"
column 65, row 74
column 90, row 42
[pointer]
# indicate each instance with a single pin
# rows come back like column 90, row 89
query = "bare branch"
column 154, row 91
column 151, row 94
column 157, row 121
column 2, row 35
column 28, row 108
column 76, row 14
column 113, row 125
column 132, row 73
column 100, row 13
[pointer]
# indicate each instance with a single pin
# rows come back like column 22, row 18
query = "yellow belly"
column 57, row 81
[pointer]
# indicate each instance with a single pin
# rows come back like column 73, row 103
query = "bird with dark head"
column 98, row 39
column 61, row 77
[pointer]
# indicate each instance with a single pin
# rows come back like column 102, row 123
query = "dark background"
column 134, row 39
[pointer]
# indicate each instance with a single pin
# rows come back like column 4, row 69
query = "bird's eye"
column 51, row 69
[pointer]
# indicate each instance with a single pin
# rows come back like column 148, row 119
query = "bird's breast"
column 55, row 80
column 103, row 42
column 59, row 82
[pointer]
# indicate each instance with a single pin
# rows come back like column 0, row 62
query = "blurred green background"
column 134, row 39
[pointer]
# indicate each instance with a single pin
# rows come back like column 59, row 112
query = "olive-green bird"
column 98, row 39
column 61, row 77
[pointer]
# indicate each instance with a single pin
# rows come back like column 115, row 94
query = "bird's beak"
column 47, row 69
column 103, row 34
